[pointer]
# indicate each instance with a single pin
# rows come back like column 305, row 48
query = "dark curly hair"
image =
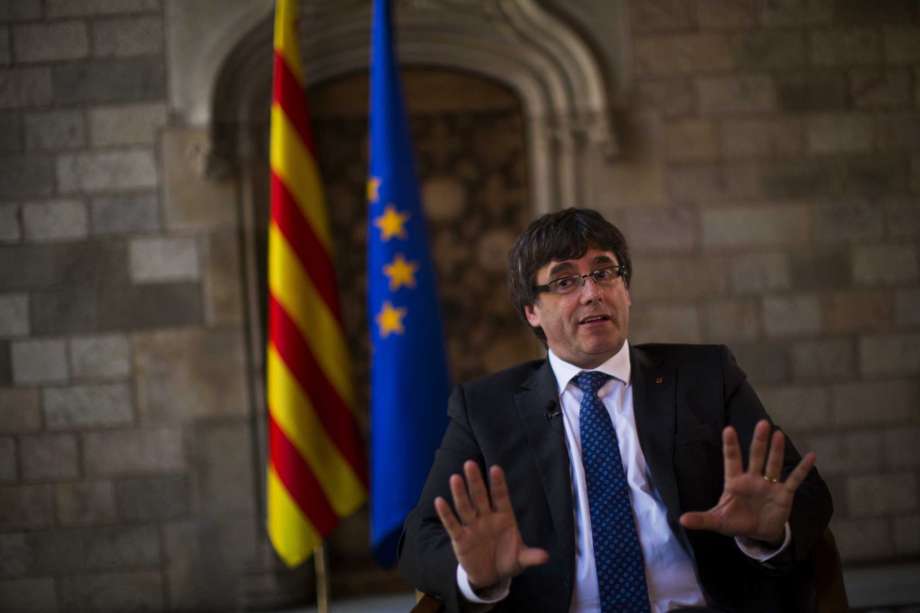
column 564, row 235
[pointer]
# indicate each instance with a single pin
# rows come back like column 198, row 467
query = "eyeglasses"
column 603, row 277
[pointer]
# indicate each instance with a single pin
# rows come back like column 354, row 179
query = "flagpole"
column 321, row 567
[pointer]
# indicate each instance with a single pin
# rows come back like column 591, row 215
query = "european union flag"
column 409, row 379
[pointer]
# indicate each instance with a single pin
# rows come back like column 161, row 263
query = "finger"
column 704, row 520
column 478, row 493
column 800, row 472
column 731, row 453
column 758, row 447
column 501, row 500
column 774, row 468
column 448, row 519
column 462, row 499
column 532, row 556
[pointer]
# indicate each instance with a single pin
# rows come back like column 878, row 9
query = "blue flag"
column 409, row 378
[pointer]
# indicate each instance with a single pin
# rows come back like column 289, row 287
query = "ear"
column 532, row 313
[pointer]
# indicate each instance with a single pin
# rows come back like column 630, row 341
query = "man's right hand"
column 485, row 537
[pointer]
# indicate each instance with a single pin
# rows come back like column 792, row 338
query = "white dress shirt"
column 669, row 571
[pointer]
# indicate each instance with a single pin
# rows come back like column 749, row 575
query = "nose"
column 590, row 291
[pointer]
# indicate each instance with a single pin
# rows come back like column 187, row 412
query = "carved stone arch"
column 514, row 42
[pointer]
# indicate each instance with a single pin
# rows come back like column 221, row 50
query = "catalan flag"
column 409, row 379
column 317, row 466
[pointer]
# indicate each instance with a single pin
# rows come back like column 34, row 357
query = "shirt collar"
column 616, row 366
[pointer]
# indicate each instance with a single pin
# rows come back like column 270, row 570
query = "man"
column 621, row 478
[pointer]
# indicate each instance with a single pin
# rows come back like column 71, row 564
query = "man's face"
column 590, row 324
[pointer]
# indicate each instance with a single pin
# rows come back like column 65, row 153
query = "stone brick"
column 90, row 264
column 670, row 97
column 848, row 219
column 787, row 316
column 903, row 218
column 708, row 184
column 864, row 12
column 713, row 14
column 10, row 226
column 83, row 406
column 125, row 213
column 49, row 457
column 5, row 57
column 767, row 138
column 796, row 13
column 683, row 54
column 824, row 359
column 902, row 44
column 19, row 410
column 840, row 133
column 873, row 88
column 11, row 139
column 885, row 264
column 24, row 87
column 26, row 176
column 14, row 314
column 907, row 534
column 132, row 169
column 881, row 494
column 732, row 321
column 222, row 287
column 907, row 307
column 890, row 354
column 191, row 200
column 125, row 80
column 80, row 550
column 164, row 259
column 128, row 452
column 863, row 539
column 151, row 306
column 153, row 499
column 124, row 37
column 845, row 47
column 135, row 124
column 55, row 130
column 55, row 220
column 679, row 278
column 6, row 364
column 49, row 42
column 40, row 361
column 26, row 506
column 818, row 90
column 661, row 229
column 760, row 272
column 661, row 16
column 873, row 175
column 20, row 10
column 901, row 447
column 8, row 464
column 78, row 8
column 763, row 362
column 868, row 403
column 223, row 472
column 691, row 140
column 105, row 356
column 915, row 167
column 178, row 380
column 29, row 595
column 858, row 312
column 121, row 591
column 820, row 269
column 17, row 558
column 796, row 408
column 770, row 49
column 662, row 323
column 736, row 94
column 65, row 311
column 897, row 132
column 86, row 503
column 756, row 226
column 847, row 453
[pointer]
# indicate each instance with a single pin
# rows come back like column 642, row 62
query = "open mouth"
column 593, row 319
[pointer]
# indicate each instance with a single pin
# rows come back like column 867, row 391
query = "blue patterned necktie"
column 617, row 555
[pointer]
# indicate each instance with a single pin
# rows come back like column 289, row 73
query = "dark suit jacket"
column 683, row 396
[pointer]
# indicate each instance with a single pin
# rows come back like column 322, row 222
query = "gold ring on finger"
column 770, row 479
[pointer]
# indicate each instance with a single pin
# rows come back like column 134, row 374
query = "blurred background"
column 761, row 156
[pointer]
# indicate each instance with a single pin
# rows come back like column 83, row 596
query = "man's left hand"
column 755, row 503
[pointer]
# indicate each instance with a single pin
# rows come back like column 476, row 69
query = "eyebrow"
column 568, row 267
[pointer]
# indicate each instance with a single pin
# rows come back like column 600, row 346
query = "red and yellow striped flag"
column 317, row 468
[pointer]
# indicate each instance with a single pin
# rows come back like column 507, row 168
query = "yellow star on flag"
column 389, row 320
column 400, row 272
column 373, row 189
column 392, row 223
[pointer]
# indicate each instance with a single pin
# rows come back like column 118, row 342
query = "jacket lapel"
column 537, row 403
